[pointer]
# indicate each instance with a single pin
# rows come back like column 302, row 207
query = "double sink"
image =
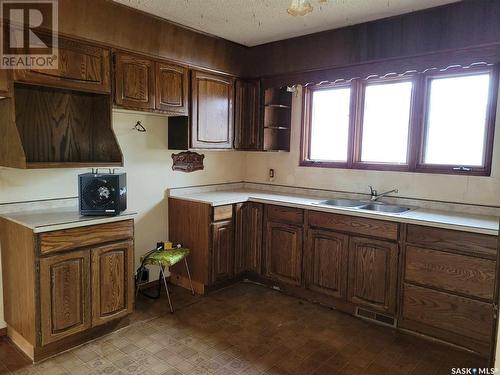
column 364, row 205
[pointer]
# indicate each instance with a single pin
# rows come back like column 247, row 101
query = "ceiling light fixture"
column 299, row 8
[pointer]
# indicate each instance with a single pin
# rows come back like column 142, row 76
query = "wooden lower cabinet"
column 222, row 251
column 248, row 237
column 64, row 295
column 112, row 281
column 284, row 252
column 326, row 262
column 448, row 289
column 460, row 320
column 373, row 273
column 70, row 293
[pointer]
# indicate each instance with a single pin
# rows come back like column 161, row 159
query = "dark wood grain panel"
column 285, row 214
column 119, row 26
column 326, row 256
column 63, row 126
column 222, row 258
column 64, row 295
column 248, row 128
column 352, row 224
column 134, row 81
column 211, row 110
column 172, row 85
column 67, row 239
column 189, row 225
column 248, row 237
column 12, row 151
column 81, row 66
column 373, row 273
column 452, row 240
column 449, row 317
column 452, row 272
column 112, row 281
column 407, row 35
column 284, row 252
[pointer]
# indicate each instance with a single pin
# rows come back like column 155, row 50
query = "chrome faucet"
column 375, row 196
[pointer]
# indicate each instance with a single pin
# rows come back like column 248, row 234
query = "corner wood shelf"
column 57, row 128
column 278, row 110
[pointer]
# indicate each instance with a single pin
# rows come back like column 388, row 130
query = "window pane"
column 330, row 124
column 386, row 119
column 456, row 120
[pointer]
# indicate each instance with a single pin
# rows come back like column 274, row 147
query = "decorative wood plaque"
column 187, row 161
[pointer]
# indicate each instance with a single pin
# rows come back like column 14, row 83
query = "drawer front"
column 223, row 212
column 357, row 225
column 60, row 240
column 282, row 214
column 460, row 320
column 452, row 272
column 446, row 239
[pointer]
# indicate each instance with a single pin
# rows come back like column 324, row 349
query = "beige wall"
column 475, row 190
column 148, row 164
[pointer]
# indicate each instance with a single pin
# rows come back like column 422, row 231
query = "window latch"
column 462, row 169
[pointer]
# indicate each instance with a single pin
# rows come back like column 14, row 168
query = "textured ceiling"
column 253, row 22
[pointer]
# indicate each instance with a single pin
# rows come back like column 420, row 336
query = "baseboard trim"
column 3, row 331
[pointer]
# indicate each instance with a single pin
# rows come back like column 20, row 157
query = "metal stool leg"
column 138, row 282
column 166, row 288
column 189, row 275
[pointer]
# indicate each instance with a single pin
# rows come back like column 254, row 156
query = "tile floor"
column 246, row 329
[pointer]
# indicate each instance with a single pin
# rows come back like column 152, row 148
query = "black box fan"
column 102, row 193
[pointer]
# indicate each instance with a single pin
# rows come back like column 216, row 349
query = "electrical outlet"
column 271, row 174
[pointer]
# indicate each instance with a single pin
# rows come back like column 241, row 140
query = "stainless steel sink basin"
column 389, row 208
column 351, row 203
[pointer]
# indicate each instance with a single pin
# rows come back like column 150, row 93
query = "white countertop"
column 60, row 218
column 440, row 219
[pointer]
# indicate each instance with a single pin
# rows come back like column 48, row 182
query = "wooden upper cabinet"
column 112, row 281
column 64, row 295
column 222, row 251
column 373, row 272
column 134, row 82
column 212, row 110
column 171, row 88
column 81, row 66
column 326, row 257
column 284, row 252
column 248, row 128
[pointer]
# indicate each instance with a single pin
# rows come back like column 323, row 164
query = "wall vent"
column 376, row 317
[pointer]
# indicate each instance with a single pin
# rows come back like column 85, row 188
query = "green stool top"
column 165, row 258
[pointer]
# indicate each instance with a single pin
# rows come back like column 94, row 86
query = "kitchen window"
column 428, row 122
column 330, row 116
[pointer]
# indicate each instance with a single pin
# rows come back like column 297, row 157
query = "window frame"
column 485, row 168
column 416, row 128
column 358, row 137
column 305, row 144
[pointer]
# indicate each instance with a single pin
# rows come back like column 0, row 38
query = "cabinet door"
column 326, row 270
column 284, row 252
column 171, row 88
column 248, row 238
column 134, row 82
column 222, row 251
column 80, row 67
column 247, row 127
column 64, row 295
column 373, row 267
column 112, row 281
column 212, row 111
